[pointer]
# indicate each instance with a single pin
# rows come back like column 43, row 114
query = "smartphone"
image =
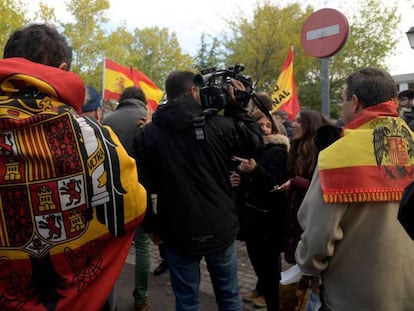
column 276, row 188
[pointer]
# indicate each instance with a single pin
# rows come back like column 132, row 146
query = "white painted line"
column 322, row 32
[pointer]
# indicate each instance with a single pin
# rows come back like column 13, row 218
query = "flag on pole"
column 117, row 78
column 285, row 96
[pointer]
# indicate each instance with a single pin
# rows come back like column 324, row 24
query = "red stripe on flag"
column 372, row 178
column 139, row 76
column 116, row 67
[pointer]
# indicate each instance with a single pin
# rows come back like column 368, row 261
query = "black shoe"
column 163, row 266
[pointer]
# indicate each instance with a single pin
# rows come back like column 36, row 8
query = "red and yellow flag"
column 117, row 78
column 285, row 95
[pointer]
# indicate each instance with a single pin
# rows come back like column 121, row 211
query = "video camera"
column 214, row 86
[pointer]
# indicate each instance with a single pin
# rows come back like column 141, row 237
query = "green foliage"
column 46, row 14
column 12, row 16
column 208, row 55
column 154, row 51
column 372, row 38
column 86, row 36
column 157, row 52
column 262, row 44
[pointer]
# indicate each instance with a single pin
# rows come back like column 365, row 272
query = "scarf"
column 372, row 162
column 19, row 75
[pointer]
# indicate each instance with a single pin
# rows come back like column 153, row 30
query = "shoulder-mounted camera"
column 214, row 85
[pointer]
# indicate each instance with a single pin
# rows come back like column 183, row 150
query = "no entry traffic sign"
column 324, row 33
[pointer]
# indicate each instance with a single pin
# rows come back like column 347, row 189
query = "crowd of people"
column 77, row 188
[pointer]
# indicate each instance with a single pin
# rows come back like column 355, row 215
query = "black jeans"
column 265, row 258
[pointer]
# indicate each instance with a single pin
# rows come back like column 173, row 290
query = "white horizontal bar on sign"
column 323, row 32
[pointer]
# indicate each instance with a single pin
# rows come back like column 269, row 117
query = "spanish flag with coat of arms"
column 69, row 193
column 285, row 96
column 117, row 78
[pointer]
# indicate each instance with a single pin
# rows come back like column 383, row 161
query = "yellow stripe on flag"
column 116, row 81
column 150, row 92
column 285, row 96
column 284, row 90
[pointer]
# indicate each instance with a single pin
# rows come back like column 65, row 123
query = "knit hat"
column 92, row 100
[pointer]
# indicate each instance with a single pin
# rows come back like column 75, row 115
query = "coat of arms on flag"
column 117, row 78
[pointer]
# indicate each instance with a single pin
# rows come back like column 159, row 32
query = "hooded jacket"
column 124, row 120
column 185, row 156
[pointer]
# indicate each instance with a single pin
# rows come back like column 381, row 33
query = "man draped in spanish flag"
column 70, row 200
column 352, row 238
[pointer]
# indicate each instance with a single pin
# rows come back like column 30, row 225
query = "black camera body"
column 214, row 86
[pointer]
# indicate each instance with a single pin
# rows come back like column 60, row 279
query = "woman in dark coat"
column 261, row 211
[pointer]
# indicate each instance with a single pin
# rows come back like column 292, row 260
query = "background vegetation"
column 261, row 43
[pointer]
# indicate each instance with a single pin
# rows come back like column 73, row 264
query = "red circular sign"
column 324, row 33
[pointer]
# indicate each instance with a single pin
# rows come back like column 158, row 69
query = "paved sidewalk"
column 160, row 293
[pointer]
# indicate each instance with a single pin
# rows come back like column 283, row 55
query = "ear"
column 63, row 66
column 141, row 122
column 98, row 114
column 194, row 90
column 356, row 104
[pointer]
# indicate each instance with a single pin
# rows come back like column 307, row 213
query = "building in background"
column 404, row 81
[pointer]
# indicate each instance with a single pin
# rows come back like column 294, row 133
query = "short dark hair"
column 39, row 43
column 372, row 86
column 178, row 83
column 133, row 92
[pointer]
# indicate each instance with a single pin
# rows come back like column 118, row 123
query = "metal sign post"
column 323, row 34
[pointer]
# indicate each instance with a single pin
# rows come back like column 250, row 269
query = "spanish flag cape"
column 372, row 162
column 70, row 200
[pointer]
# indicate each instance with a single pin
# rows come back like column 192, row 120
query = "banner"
column 285, row 96
column 117, row 78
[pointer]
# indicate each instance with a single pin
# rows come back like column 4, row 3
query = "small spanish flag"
column 117, row 78
column 285, row 96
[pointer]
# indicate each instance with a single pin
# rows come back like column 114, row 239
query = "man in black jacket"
column 185, row 155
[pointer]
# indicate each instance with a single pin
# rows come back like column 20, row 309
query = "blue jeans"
column 185, row 279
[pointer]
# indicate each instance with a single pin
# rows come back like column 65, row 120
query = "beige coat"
column 364, row 256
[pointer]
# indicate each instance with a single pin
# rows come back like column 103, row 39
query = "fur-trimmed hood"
column 277, row 139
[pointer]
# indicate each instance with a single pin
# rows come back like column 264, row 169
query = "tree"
column 12, row 16
column 208, row 55
column 154, row 51
column 46, row 14
column 262, row 44
column 86, row 35
column 372, row 39
column 157, row 52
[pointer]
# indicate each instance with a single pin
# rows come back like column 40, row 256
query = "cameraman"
column 185, row 155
